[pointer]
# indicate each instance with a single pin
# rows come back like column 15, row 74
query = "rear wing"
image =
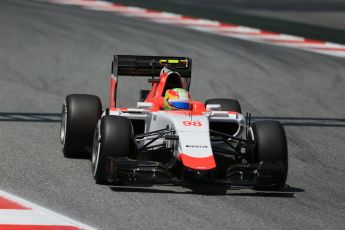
column 150, row 66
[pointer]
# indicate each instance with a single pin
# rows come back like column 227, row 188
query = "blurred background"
column 322, row 19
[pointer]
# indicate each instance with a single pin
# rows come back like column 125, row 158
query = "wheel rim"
column 95, row 152
column 63, row 125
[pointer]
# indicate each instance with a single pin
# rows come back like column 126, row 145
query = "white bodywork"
column 193, row 130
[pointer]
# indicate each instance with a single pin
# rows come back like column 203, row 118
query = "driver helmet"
column 176, row 98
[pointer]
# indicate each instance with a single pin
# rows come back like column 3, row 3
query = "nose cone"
column 198, row 169
column 198, row 163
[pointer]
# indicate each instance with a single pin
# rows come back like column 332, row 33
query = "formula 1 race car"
column 190, row 141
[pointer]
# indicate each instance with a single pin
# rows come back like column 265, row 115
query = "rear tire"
column 113, row 137
column 226, row 104
column 270, row 145
column 80, row 114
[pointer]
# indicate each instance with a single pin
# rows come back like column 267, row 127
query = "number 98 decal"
column 192, row 123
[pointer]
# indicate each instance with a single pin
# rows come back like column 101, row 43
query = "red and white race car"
column 205, row 142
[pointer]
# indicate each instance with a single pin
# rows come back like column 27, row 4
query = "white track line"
column 214, row 27
column 24, row 214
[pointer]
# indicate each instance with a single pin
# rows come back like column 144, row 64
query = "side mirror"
column 144, row 105
column 213, row 107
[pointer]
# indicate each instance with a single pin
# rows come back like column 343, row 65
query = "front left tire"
column 270, row 146
column 114, row 137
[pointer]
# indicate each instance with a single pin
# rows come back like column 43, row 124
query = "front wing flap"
column 263, row 174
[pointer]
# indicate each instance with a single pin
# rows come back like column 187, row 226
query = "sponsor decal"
column 197, row 146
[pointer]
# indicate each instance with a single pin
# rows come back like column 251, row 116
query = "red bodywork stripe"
column 184, row 112
column 204, row 163
column 37, row 227
column 118, row 109
column 9, row 204
column 113, row 83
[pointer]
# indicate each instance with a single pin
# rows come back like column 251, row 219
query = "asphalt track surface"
column 48, row 51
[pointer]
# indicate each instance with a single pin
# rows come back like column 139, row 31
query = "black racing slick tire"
column 80, row 114
column 271, row 146
column 113, row 137
column 226, row 104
